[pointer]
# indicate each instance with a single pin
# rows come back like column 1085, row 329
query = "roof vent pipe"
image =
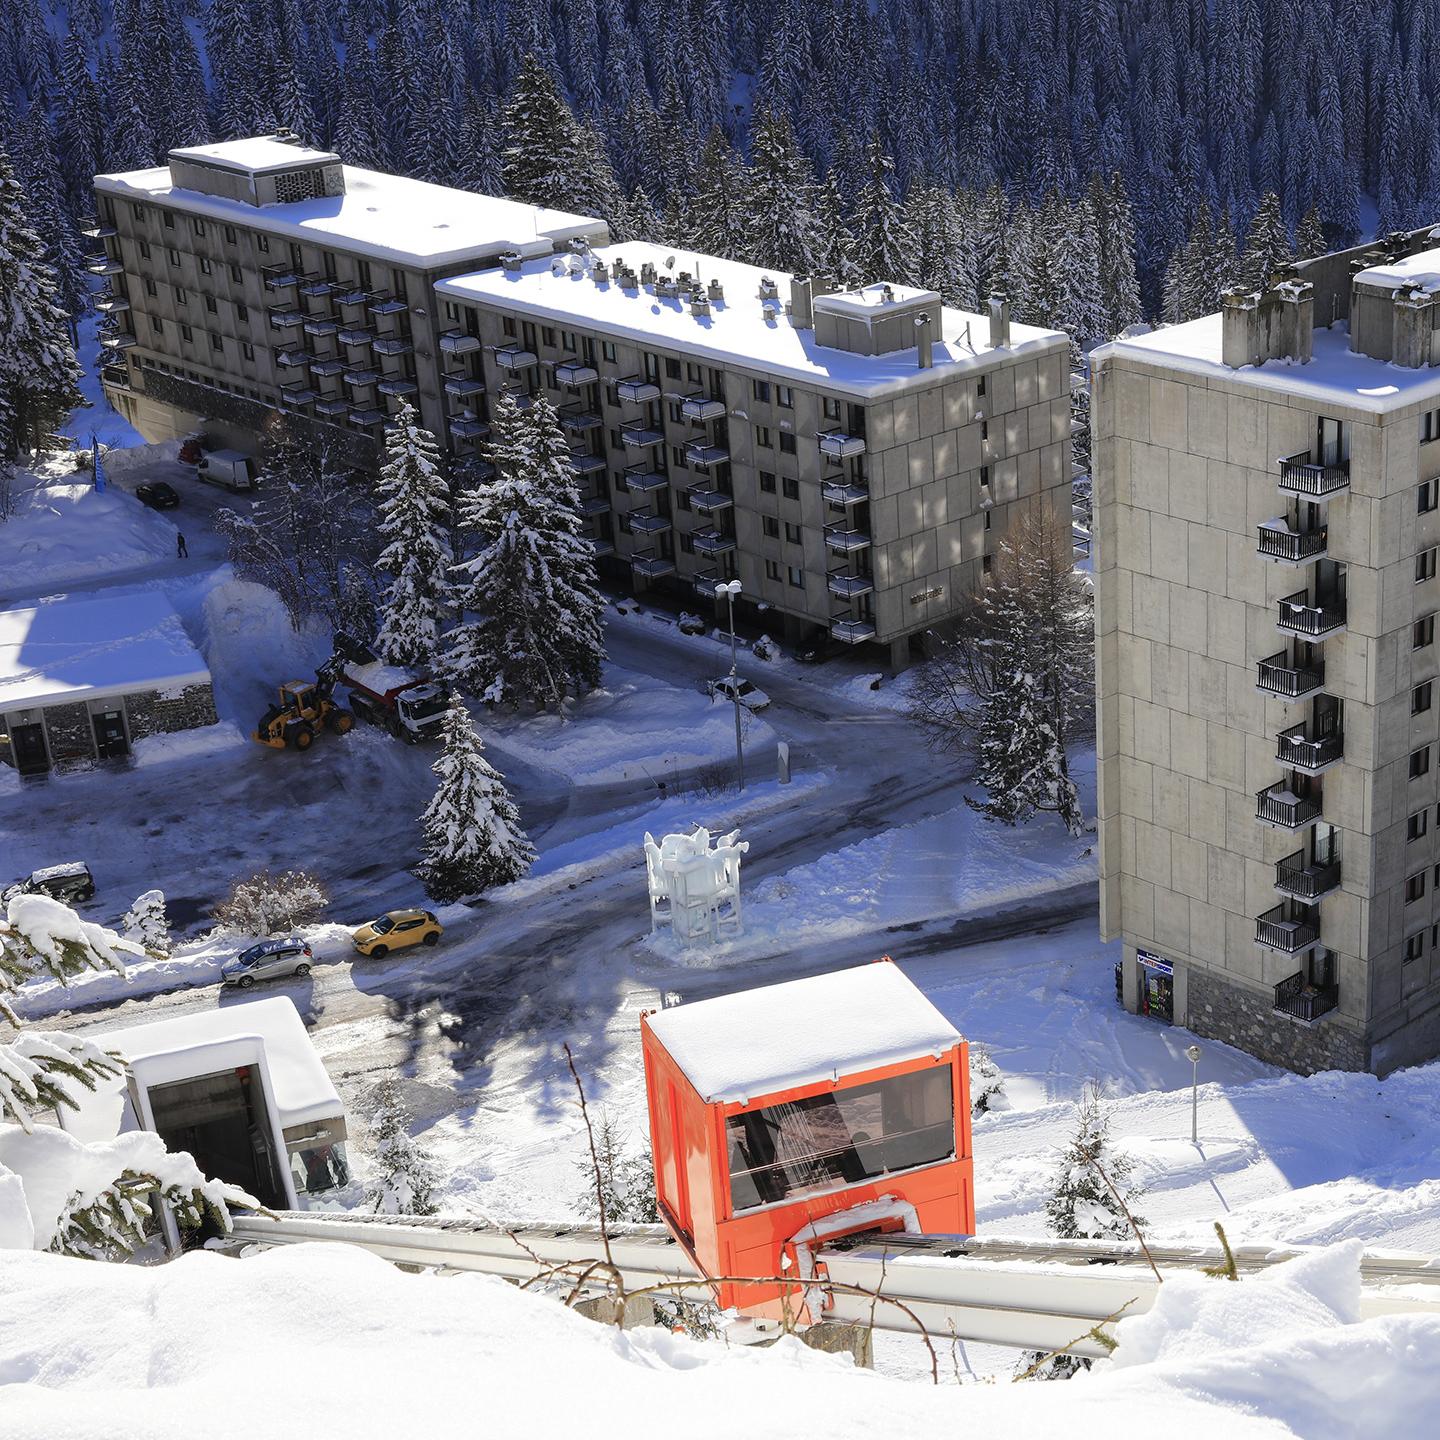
column 999, row 322
column 924, row 342
column 801, row 309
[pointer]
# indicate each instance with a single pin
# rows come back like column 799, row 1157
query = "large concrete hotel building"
column 1267, row 485
column 851, row 458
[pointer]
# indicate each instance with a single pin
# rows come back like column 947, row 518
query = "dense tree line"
column 709, row 119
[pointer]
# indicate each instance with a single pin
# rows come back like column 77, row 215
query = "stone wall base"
column 161, row 712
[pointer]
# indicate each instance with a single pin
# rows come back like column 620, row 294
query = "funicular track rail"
column 1033, row 1294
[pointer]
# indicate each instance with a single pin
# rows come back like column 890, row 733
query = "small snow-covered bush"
column 147, row 925
column 405, row 1173
column 627, row 1177
column 764, row 648
column 1082, row 1206
column 987, row 1084
column 266, row 904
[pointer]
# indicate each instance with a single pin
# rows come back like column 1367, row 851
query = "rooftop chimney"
column 999, row 322
column 924, row 341
column 715, row 292
column 601, row 272
column 801, row 307
column 510, row 262
column 1276, row 324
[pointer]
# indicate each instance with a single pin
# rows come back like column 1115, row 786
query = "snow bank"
column 327, row 1330
column 187, row 744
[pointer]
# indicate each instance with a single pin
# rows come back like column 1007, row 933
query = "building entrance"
column 1157, row 987
column 27, row 745
column 110, row 739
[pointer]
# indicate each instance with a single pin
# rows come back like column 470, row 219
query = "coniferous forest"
column 1099, row 161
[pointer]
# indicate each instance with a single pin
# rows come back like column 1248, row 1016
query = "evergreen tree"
column 1267, row 246
column 1119, row 284
column 534, row 635
column 406, row 1174
column 1081, row 1206
column 944, row 260
column 884, row 242
column 784, row 230
column 39, row 375
column 541, row 163
column 1079, row 304
column 1311, row 241
column 720, row 207
column 147, row 925
column 472, row 835
column 413, row 516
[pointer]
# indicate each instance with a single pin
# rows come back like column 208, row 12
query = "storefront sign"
column 921, row 596
column 1154, row 962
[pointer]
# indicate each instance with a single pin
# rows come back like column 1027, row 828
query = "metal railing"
column 1279, row 805
column 1305, row 881
column 1279, row 677
column 1289, row 928
column 1300, row 617
column 1300, row 477
column 1279, row 542
column 1294, row 747
column 1296, row 997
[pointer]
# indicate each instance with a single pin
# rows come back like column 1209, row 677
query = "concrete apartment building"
column 851, row 458
column 1266, row 488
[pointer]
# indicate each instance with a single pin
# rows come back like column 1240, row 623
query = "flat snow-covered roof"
column 741, row 330
column 303, row 1090
column 386, row 217
column 255, row 155
column 1335, row 374
column 70, row 650
column 1422, row 268
column 801, row 1032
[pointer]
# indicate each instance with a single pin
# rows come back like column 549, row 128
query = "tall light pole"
column 730, row 591
column 1192, row 1054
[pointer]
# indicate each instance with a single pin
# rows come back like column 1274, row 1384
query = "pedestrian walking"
column 181, row 553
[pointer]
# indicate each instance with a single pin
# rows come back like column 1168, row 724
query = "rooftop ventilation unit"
column 510, row 261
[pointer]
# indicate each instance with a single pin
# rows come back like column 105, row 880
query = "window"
column 767, row 482
column 1419, row 762
column 1417, row 825
column 242, row 313
column 157, row 324
column 796, row 577
column 151, row 288
column 676, row 412
column 980, row 388
column 235, row 274
column 607, row 350
column 687, row 542
column 247, row 349
column 770, row 524
column 672, row 368
column 211, row 306
column 692, row 374
column 216, row 341
column 173, row 254
column 790, row 488
column 168, row 218
column 831, row 406
column 1426, row 497
column 547, row 334
column 762, row 437
column 1425, row 565
column 229, row 234
column 985, row 477
column 615, row 441
column 144, row 249
column 772, row 569
column 989, row 516
column 652, row 367
column 508, row 326
column 1414, row 887
column 1420, row 698
column 787, row 443
column 792, row 532
column 985, row 564
column 567, row 339
column 1423, row 632
column 197, row 224
column 1430, row 426
column 138, row 211
column 263, row 243
column 842, row 1137
column 1414, row 946
column 761, row 390
column 186, row 334
column 677, row 456
column 181, row 298
column 785, row 396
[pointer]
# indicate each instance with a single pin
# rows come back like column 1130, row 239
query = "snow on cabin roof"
column 739, row 1047
column 740, row 330
column 71, row 650
column 385, row 217
column 255, row 155
column 1336, row 374
column 301, row 1087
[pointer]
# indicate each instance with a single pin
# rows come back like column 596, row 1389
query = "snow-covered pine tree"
column 413, row 517
column 987, row 1083
column 147, row 925
column 1119, row 285
column 405, row 1174
column 719, row 208
column 1310, row 239
column 884, row 243
column 626, row 1177
column 1267, row 246
column 472, row 835
column 1081, row 1206
column 1077, row 279
column 532, row 628
column 540, row 163
column 944, row 261
column 39, row 376
column 784, row 229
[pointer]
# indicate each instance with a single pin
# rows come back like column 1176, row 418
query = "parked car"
column 268, row 960
column 71, row 883
column 157, row 495
column 692, row 624
column 751, row 696
column 397, row 930
column 228, row 468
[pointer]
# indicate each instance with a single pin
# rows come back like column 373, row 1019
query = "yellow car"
column 396, row 931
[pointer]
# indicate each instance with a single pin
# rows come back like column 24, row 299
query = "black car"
column 71, row 883
column 157, row 495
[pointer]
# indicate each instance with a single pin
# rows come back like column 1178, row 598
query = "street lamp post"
column 730, row 591
column 1192, row 1054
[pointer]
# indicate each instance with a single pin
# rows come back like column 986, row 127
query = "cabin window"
column 844, row 1137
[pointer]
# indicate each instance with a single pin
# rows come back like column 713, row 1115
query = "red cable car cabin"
column 828, row 1106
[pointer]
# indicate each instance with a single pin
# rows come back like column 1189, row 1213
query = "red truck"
column 408, row 704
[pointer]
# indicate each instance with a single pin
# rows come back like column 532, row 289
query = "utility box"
column 789, row 1116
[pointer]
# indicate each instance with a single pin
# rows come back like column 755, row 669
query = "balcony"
column 1292, row 547
column 1299, row 617
column 707, row 501
column 457, row 342
column 701, row 408
column 1293, row 876
column 1277, row 676
column 697, row 452
column 512, row 357
column 1288, row 928
column 355, row 335
column 837, row 445
column 115, row 376
column 361, row 377
column 397, row 385
column 594, row 504
column 642, row 480
column 636, row 391
column 279, row 277
column 844, row 541
column 104, row 265
column 385, row 305
column 584, row 463
column 844, row 492
column 651, row 567
column 320, row 326
column 391, row 345
column 288, row 359
column 467, row 427
column 332, row 405
column 464, row 385
column 573, row 374
column 317, row 285
column 282, row 317
column 711, row 541
column 1296, row 997
column 853, row 632
column 1295, row 749
column 575, row 421
column 297, row 395
column 1315, row 482
column 121, row 340
column 601, row 546
column 849, row 587
column 327, row 366
column 644, row 523
column 94, row 230
column 354, row 295
column 1280, row 806
column 111, row 304
column 641, row 436
column 366, row 416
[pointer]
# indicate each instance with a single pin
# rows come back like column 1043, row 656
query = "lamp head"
column 1192, row 1054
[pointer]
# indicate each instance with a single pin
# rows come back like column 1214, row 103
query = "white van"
column 228, row 468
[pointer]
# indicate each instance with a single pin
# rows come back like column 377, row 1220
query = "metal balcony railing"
column 707, row 501
column 1279, row 542
column 457, row 342
column 1297, row 997
column 104, row 265
column 702, row 407
column 642, row 437
column 576, row 421
column 852, row 632
column 711, row 541
column 1279, row 805
column 837, row 445
column 1289, row 928
column 512, row 357
column 697, row 452
column 1278, row 676
column 279, row 277
column 1299, row 477
column 844, row 540
column 651, row 566
column 849, row 587
column 467, row 427
column 464, row 385
column 385, row 305
column 1306, row 880
column 582, row 462
column 1296, row 749
column 844, row 492
column 635, row 391
column 111, row 304
column 1300, row 617
column 574, row 373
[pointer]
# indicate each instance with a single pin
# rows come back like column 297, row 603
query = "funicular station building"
column 852, row 458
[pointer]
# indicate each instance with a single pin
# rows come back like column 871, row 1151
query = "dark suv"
column 70, row 883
